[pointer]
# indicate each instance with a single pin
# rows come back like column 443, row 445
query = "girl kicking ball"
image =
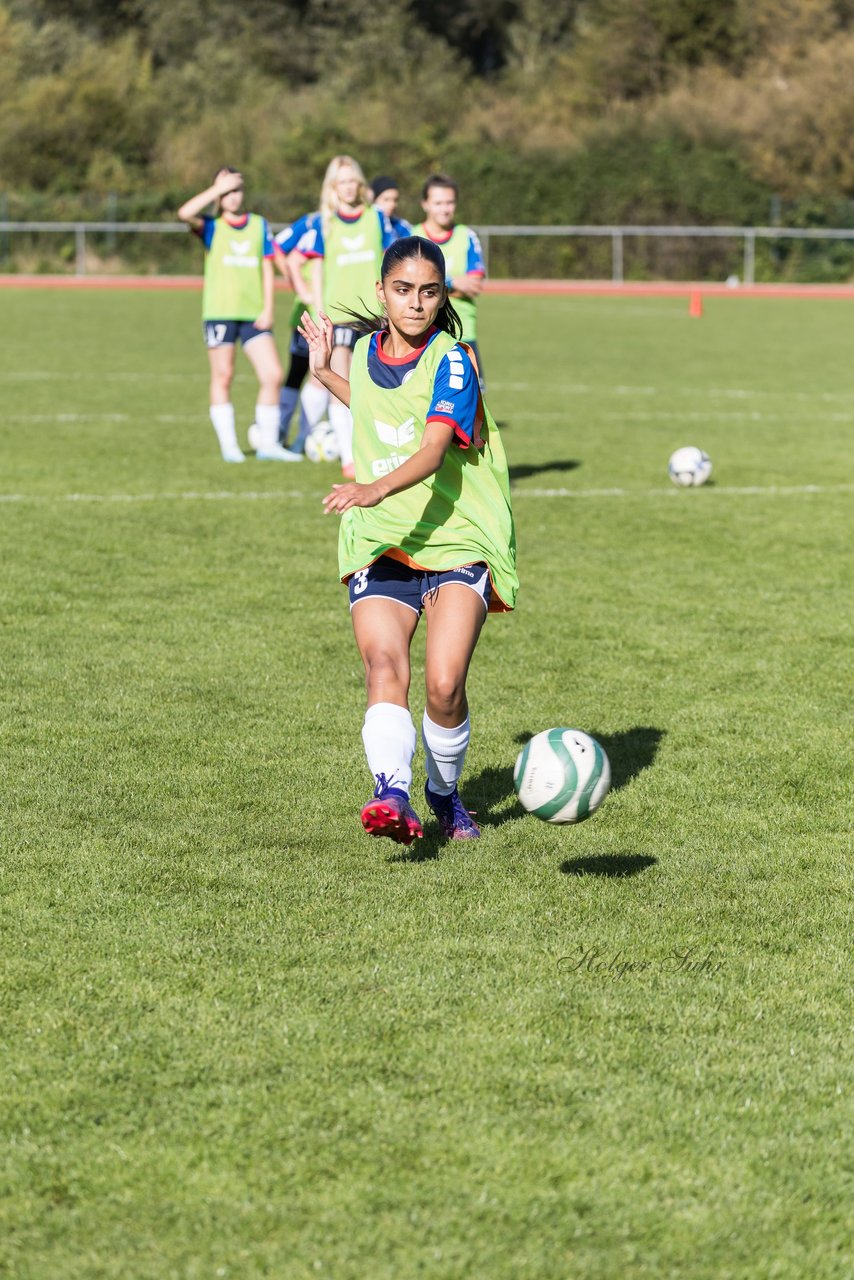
column 426, row 528
column 237, row 304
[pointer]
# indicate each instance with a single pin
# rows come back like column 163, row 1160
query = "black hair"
column 401, row 251
column 439, row 180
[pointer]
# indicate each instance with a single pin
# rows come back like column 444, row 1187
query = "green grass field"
column 239, row 1038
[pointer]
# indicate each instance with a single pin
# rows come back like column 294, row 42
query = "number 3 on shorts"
column 361, row 576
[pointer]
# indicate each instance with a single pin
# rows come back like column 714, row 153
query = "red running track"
column 531, row 288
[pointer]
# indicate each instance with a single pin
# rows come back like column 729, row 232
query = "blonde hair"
column 329, row 202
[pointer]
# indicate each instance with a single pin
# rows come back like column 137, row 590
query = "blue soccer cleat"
column 389, row 813
column 455, row 821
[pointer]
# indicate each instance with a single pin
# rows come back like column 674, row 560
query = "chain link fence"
column 814, row 255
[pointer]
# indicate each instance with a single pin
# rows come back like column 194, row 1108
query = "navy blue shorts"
column 299, row 346
column 225, row 333
column 388, row 579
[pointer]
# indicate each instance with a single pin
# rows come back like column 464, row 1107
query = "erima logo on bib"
column 239, row 246
column 396, row 436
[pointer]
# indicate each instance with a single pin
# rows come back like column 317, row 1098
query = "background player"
column 384, row 194
column 427, row 528
column 314, row 399
column 462, row 250
column 237, row 304
column 348, row 240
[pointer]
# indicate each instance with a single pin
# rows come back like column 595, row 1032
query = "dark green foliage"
column 547, row 113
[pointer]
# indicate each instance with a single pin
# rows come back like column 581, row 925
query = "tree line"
column 706, row 111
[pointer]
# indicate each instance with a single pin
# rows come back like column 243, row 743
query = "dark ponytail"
column 401, row 251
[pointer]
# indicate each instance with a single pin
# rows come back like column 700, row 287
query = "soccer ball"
column 689, row 466
column 321, row 444
column 562, row 775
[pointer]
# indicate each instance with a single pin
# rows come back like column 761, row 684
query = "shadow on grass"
column 427, row 849
column 490, row 796
column 525, row 469
column 617, row 866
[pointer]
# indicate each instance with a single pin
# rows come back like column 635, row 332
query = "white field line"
column 566, row 388
column 103, row 417
column 226, row 495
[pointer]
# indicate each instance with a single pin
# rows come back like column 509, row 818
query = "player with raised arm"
column 237, row 305
column 426, row 527
column 349, row 242
column 462, row 249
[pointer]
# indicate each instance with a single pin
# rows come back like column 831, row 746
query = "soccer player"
column 462, row 250
column 314, row 399
column 349, row 240
column 426, row 528
column 385, row 196
column 237, row 304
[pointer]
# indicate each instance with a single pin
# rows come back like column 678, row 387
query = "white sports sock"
column 389, row 737
column 267, row 421
column 446, row 753
column 342, row 422
column 314, row 400
column 222, row 417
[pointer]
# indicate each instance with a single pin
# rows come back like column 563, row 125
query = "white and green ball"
column 562, row 775
column 689, row 466
column 321, row 445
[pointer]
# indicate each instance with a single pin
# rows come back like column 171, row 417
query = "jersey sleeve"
column 389, row 234
column 475, row 265
column 288, row 237
column 269, row 251
column 456, row 395
column 310, row 243
column 206, row 231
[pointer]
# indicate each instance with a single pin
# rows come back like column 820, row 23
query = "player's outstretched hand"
column 344, row 496
column 319, row 339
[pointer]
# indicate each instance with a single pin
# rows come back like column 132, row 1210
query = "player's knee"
column 384, row 668
column 446, row 693
column 220, row 387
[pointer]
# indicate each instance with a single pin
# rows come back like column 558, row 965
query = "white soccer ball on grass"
column 689, row 466
column 321, row 444
column 562, row 775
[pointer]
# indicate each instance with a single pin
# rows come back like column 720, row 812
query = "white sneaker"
column 253, row 435
column 277, row 453
column 232, row 453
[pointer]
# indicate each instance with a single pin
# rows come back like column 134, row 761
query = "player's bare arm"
column 467, row 286
column 223, row 183
column 319, row 336
column 265, row 319
column 423, row 464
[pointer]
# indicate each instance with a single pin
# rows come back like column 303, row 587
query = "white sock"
column 314, row 400
column 267, row 421
column 389, row 737
column 222, row 417
column 342, row 422
column 446, row 753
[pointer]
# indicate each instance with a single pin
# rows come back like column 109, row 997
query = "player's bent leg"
column 455, row 617
column 221, row 360
column 383, row 629
column 262, row 355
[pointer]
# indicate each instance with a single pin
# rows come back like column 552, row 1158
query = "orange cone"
column 695, row 306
